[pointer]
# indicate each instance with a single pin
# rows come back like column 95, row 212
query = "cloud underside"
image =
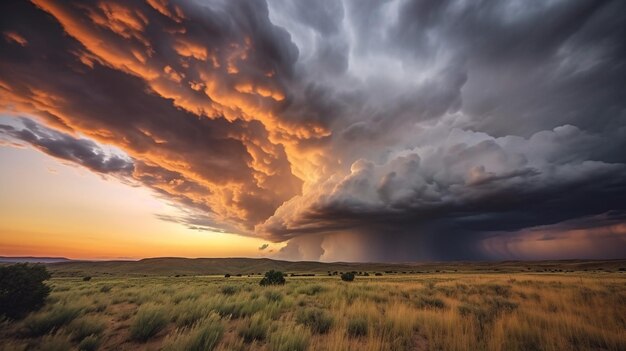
column 355, row 130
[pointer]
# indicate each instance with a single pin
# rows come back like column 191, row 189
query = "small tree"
column 347, row 277
column 22, row 289
column 273, row 278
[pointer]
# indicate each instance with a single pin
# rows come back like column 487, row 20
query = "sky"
column 313, row 130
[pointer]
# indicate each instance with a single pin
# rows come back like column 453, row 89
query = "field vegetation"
column 393, row 311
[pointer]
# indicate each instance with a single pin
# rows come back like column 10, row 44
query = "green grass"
column 90, row 343
column 204, row 336
column 318, row 320
column 41, row 323
column 444, row 311
column 290, row 339
column 255, row 328
column 85, row 326
column 150, row 320
column 357, row 326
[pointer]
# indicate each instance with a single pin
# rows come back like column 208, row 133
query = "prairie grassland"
column 392, row 312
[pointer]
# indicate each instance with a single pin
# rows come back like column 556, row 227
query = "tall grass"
column 491, row 312
column 150, row 320
column 318, row 320
column 85, row 326
column 255, row 328
column 41, row 323
column 290, row 338
column 204, row 336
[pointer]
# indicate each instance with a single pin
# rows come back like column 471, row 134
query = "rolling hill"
column 170, row 266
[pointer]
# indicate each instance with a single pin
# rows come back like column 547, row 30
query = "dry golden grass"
column 447, row 311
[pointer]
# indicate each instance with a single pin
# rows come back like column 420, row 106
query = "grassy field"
column 428, row 311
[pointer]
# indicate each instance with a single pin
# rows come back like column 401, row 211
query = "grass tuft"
column 85, row 326
column 44, row 322
column 357, row 326
column 255, row 328
column 319, row 321
column 204, row 336
column 150, row 320
column 90, row 343
column 290, row 339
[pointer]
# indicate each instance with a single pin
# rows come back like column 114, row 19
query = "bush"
column 378, row 274
column 148, row 322
column 22, row 289
column 273, row 278
column 347, row 277
column 357, row 326
column 105, row 288
column 86, row 279
column 226, row 275
column 318, row 320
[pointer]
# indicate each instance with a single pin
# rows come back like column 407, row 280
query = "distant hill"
column 169, row 266
column 30, row 259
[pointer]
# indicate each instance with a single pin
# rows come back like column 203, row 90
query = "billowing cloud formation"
column 356, row 130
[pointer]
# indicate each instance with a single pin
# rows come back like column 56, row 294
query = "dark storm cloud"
column 463, row 118
column 357, row 130
column 81, row 151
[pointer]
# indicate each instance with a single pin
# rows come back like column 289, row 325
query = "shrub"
column 229, row 290
column 22, row 289
column 43, row 323
column 273, row 278
column 255, row 328
column 378, row 274
column 347, row 277
column 318, row 320
column 290, row 339
column 90, row 343
column 86, row 279
column 148, row 322
column 357, row 326
column 226, row 275
column 105, row 288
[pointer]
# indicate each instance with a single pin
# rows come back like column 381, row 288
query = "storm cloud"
column 352, row 130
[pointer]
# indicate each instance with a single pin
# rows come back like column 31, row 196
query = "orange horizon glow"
column 49, row 208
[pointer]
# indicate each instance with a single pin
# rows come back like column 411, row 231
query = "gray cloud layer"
column 358, row 130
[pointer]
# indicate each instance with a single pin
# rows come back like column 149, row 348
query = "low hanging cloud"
column 352, row 130
column 60, row 145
